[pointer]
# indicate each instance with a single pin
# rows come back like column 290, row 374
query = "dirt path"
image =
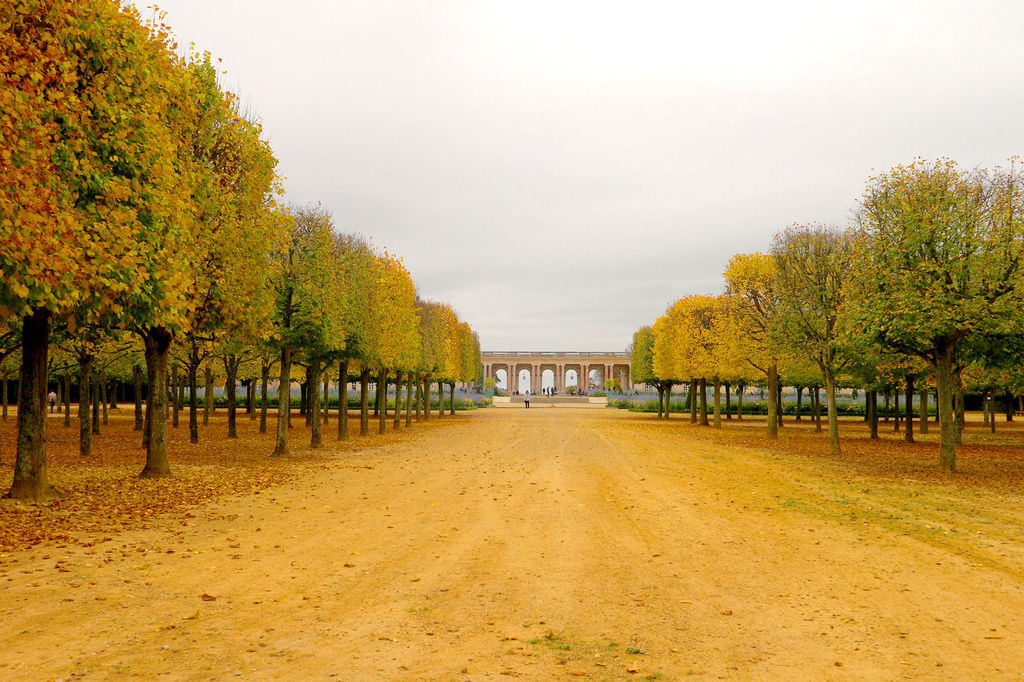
column 543, row 544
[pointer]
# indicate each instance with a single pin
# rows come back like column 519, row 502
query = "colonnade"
column 608, row 366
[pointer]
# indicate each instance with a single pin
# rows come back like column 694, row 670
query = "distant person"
column 52, row 397
column 526, row 399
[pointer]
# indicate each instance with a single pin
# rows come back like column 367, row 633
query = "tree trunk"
column 773, row 407
column 264, row 381
column 174, row 397
column 326, row 412
column 451, row 403
column 408, row 398
column 398, row 400
column 692, row 398
column 84, row 404
column 872, row 410
column 230, row 385
column 440, row 398
column 208, row 405
column 661, row 400
column 817, row 408
column 896, row 410
column 944, row 382
column 717, row 400
column 376, row 399
column 740, row 388
column 728, row 401
column 343, row 400
column 1009, row 407
column 97, row 405
column 799, row 396
column 833, row 414
column 111, row 397
column 885, row 393
column 193, row 396
column 284, row 403
column 314, row 404
column 364, row 401
column 778, row 402
column 137, row 379
column 703, row 402
column 908, row 432
column 382, row 389
column 31, row 479
column 419, row 396
column 158, row 346
column 250, row 398
column 958, row 398
column 304, row 399
column 426, row 398
column 3, row 389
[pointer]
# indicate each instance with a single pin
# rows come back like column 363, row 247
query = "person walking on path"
column 52, row 397
column 526, row 399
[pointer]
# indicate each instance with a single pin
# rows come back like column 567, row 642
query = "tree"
column 308, row 308
column 811, row 263
column 750, row 285
column 939, row 261
column 93, row 225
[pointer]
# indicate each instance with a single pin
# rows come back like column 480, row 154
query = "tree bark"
column 137, row 380
column 419, row 396
column 426, row 398
column 31, row 476
column 908, row 432
column 67, row 400
column 773, row 407
column 739, row 401
column 104, row 391
column 193, row 396
column 408, row 398
column 174, row 397
column 264, row 389
column 799, row 396
column 398, row 401
column 315, row 440
column 717, row 399
column 703, row 402
column 693, row 401
column 833, row 414
column 84, row 404
column 451, row 402
column 661, row 399
column 343, row 400
column 440, row 398
column 284, row 403
column 3, row 389
column 872, row 410
column 944, row 383
column 382, row 389
column 778, row 402
column 364, row 401
column 158, row 346
column 97, row 405
column 230, row 386
column 325, row 400
column 817, row 408
column 896, row 410
column 728, row 401
column 208, row 405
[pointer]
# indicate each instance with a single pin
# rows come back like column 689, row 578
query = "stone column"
column 585, row 378
column 534, row 378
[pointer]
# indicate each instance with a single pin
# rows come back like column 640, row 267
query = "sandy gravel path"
column 546, row 544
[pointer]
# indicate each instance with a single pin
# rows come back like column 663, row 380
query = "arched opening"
column 572, row 380
column 523, row 385
column 501, row 380
column 595, row 380
column 547, row 380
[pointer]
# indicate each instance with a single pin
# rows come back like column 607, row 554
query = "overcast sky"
column 562, row 171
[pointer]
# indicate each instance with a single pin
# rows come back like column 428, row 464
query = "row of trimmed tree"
column 923, row 291
column 137, row 198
